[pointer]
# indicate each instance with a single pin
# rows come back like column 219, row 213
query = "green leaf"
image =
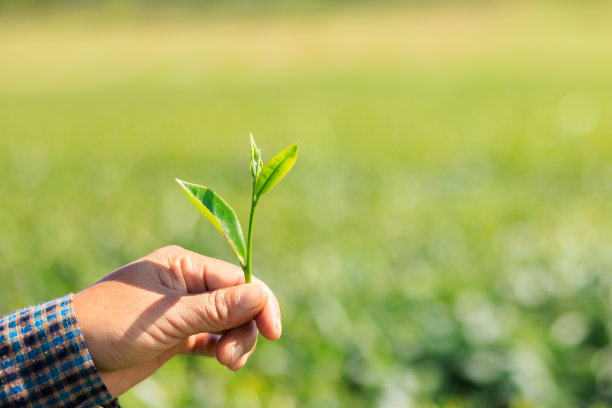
column 220, row 214
column 276, row 169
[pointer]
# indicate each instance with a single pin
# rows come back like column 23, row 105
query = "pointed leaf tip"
column 276, row 169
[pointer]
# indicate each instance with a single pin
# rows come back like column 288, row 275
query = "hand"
column 172, row 301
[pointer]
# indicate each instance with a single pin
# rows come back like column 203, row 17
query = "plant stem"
column 249, row 261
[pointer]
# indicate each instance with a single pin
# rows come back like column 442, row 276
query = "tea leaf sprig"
column 221, row 214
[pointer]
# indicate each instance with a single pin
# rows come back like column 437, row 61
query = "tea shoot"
column 221, row 214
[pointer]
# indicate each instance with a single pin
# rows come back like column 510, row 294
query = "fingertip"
column 239, row 363
column 236, row 343
column 269, row 331
column 279, row 329
column 269, row 320
column 228, row 354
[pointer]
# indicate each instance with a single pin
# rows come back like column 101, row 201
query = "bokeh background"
column 444, row 240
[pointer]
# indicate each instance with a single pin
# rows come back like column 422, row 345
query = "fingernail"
column 236, row 352
column 250, row 296
column 279, row 326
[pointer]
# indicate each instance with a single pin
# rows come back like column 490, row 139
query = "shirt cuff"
column 45, row 362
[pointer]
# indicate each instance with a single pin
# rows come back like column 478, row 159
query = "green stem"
column 249, row 261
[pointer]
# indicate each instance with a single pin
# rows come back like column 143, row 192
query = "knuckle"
column 166, row 252
column 172, row 248
column 216, row 309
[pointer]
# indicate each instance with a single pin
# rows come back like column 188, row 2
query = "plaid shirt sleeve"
column 44, row 360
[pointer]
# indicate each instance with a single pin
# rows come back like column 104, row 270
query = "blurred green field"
column 445, row 238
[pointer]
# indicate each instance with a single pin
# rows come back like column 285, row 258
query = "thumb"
column 221, row 309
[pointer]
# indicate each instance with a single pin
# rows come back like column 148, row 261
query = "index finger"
column 199, row 273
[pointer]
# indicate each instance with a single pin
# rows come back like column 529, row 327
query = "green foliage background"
column 443, row 240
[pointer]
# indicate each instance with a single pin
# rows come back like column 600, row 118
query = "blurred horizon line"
column 518, row 36
column 183, row 8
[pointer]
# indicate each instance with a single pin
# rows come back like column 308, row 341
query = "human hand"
column 169, row 302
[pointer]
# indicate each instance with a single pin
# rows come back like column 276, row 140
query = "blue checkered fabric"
column 44, row 361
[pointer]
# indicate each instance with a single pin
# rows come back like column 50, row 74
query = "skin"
column 170, row 302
